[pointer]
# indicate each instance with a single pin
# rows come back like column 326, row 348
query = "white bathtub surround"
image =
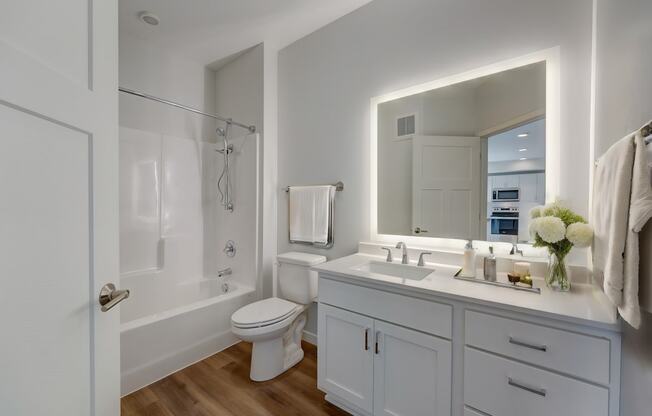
column 154, row 346
column 390, row 345
column 173, row 231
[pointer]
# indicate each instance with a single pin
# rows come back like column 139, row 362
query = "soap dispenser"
column 468, row 268
column 490, row 266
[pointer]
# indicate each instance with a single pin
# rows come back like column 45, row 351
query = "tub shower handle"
column 109, row 296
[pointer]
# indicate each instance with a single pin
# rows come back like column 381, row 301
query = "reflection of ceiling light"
column 523, row 135
column 523, row 158
column 522, row 150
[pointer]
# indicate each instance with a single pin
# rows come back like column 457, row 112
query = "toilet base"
column 273, row 357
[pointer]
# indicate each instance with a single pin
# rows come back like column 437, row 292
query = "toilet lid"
column 264, row 312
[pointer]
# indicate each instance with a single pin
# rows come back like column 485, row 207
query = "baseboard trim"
column 310, row 338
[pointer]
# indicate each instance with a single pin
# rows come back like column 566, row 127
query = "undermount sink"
column 403, row 271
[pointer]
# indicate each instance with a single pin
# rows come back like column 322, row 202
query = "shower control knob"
column 229, row 249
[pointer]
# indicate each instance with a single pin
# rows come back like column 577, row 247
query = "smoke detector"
column 149, row 18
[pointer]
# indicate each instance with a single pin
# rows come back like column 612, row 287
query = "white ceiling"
column 505, row 146
column 208, row 30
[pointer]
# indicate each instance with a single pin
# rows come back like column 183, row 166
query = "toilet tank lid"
column 301, row 259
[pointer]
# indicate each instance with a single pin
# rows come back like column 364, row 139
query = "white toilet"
column 275, row 325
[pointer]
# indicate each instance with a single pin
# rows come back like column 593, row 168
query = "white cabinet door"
column 412, row 373
column 346, row 355
column 528, row 185
column 59, row 354
column 506, row 181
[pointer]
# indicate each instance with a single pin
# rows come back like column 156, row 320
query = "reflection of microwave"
column 505, row 195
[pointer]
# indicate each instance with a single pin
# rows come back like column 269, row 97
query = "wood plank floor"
column 220, row 386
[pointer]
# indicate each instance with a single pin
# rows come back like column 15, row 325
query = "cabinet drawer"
column 579, row 355
column 430, row 317
column 499, row 386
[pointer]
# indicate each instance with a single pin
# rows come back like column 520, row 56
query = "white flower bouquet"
column 559, row 229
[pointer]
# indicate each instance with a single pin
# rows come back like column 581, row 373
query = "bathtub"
column 159, row 338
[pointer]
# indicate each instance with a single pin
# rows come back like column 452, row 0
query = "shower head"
column 221, row 132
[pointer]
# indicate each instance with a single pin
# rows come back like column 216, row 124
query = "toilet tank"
column 296, row 282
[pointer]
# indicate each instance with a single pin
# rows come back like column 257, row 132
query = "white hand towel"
column 640, row 211
column 310, row 214
column 612, row 183
column 622, row 204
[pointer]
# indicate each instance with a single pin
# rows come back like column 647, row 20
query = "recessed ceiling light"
column 522, row 150
column 149, row 18
column 523, row 158
column 523, row 135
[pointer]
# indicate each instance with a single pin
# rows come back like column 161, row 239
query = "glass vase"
column 557, row 273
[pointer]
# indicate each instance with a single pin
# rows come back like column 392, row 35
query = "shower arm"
column 251, row 128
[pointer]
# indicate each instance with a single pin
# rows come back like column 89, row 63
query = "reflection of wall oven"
column 506, row 195
column 504, row 221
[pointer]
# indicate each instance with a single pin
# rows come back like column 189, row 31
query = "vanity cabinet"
column 382, row 369
column 389, row 350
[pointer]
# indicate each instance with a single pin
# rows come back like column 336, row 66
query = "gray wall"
column 624, row 103
column 326, row 81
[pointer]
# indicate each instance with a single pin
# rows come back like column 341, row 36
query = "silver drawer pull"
column 538, row 347
column 366, row 339
column 536, row 390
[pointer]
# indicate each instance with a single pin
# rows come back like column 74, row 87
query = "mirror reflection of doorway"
column 515, row 180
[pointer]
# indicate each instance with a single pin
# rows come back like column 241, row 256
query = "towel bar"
column 339, row 186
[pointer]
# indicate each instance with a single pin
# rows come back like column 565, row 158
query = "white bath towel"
column 622, row 204
column 310, row 213
column 640, row 211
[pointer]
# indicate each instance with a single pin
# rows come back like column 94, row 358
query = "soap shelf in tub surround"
column 553, row 353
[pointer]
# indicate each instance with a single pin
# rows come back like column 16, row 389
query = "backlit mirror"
column 466, row 160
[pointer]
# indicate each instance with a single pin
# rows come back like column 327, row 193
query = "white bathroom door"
column 59, row 354
column 446, row 184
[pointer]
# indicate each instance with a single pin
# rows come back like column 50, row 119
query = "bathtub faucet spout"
column 224, row 272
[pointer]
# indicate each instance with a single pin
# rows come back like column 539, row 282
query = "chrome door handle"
column 538, row 347
column 536, row 390
column 109, row 296
column 377, row 349
column 419, row 230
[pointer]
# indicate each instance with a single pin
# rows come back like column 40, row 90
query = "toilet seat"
column 264, row 313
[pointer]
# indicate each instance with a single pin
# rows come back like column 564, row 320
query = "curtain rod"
column 251, row 128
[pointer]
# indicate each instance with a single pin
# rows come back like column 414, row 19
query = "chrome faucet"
column 421, row 261
column 404, row 259
column 224, row 272
column 516, row 250
column 389, row 254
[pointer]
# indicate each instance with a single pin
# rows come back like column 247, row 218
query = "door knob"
column 419, row 230
column 109, row 296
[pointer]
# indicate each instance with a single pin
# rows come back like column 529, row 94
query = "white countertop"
column 584, row 302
